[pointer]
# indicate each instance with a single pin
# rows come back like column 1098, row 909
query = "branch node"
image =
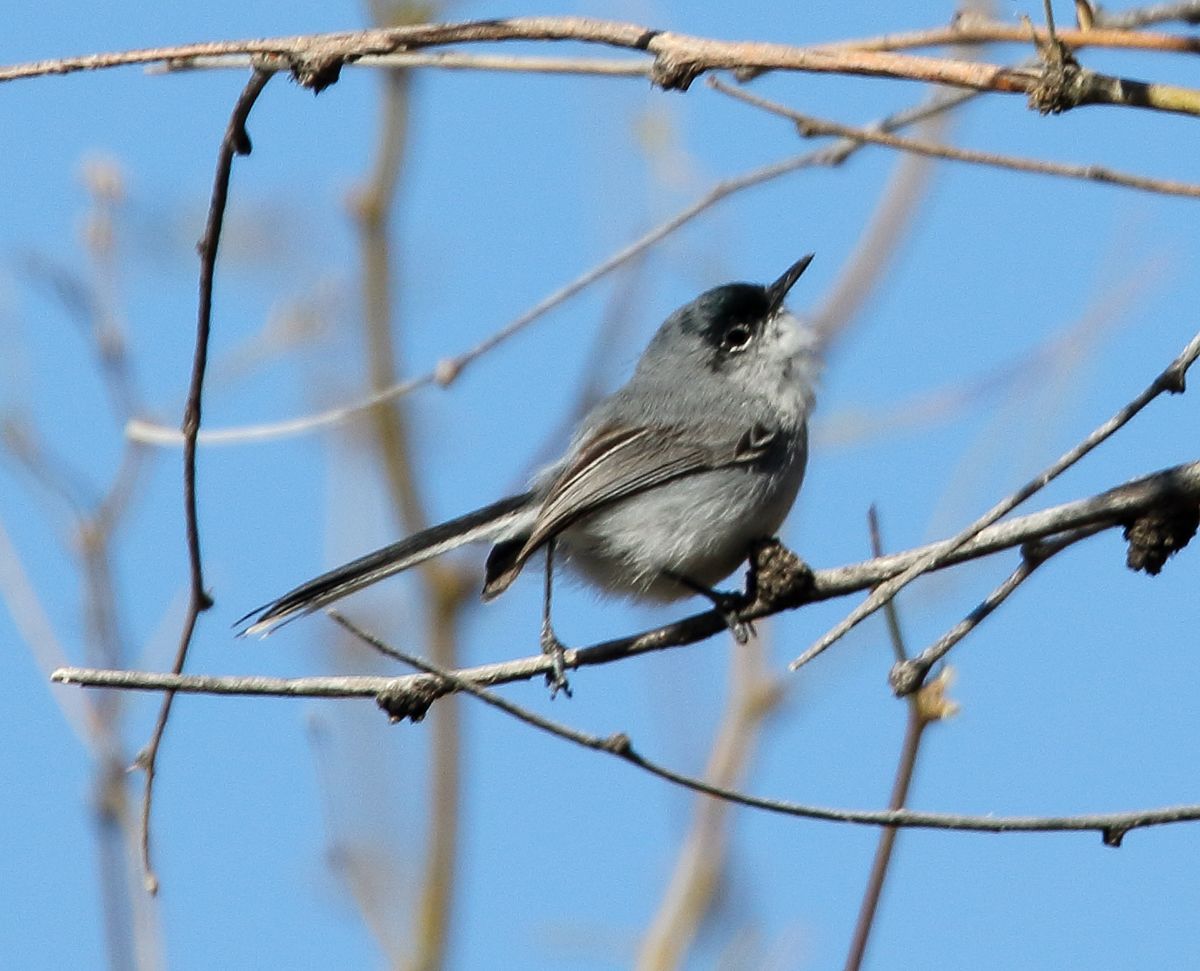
column 777, row 578
column 411, row 701
column 806, row 128
column 1063, row 84
column 447, row 370
column 673, row 72
column 1113, row 835
column 317, row 71
column 1174, row 379
column 907, row 677
column 619, row 744
column 1157, row 535
column 1035, row 552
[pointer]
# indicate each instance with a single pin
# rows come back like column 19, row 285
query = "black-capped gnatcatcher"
column 667, row 482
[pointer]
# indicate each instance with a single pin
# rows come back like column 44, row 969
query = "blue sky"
column 1077, row 696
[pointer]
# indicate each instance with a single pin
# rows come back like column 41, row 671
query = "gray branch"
column 1157, row 497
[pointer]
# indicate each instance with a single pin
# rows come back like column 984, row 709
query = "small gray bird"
column 666, row 483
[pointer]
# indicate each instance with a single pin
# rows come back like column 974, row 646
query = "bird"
column 666, row 483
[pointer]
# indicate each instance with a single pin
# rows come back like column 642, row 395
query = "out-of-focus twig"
column 1026, row 368
column 443, row 591
column 92, row 303
column 921, row 713
column 696, row 877
column 450, row 368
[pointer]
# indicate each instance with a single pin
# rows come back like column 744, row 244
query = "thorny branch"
column 235, row 142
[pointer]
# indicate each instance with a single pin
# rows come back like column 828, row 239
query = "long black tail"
column 481, row 524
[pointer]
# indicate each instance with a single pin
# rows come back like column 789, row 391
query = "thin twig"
column 442, row 589
column 980, row 29
column 908, row 675
column 1111, row 826
column 234, row 142
column 450, row 368
column 809, row 126
column 696, row 877
column 906, row 765
column 1170, row 380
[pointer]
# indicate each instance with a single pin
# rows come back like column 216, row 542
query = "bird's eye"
column 737, row 337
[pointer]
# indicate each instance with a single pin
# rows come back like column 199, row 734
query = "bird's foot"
column 556, row 677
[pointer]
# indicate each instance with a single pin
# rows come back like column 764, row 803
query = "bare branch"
column 450, row 368
column 809, row 126
column 1170, row 380
column 316, row 61
column 905, row 767
column 907, row 675
column 625, row 67
column 1178, row 486
column 234, row 142
column 1111, row 826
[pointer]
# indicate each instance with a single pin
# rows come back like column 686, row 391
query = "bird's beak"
column 778, row 290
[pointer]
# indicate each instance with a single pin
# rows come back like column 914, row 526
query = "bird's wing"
column 616, row 462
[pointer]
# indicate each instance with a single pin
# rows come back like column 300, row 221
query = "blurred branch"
column 443, row 590
column 236, row 141
column 315, row 61
column 923, row 709
column 1170, row 380
column 92, row 303
column 975, row 28
column 1027, row 368
column 1176, row 488
column 696, row 877
column 449, row 369
column 809, row 127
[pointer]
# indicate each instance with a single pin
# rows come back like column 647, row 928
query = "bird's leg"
column 727, row 605
column 556, row 677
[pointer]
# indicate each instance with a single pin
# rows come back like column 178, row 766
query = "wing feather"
column 615, row 463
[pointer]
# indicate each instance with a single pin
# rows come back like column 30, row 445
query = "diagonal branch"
column 449, row 369
column 1170, row 380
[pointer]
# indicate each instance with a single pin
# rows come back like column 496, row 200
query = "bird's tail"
column 482, row 524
